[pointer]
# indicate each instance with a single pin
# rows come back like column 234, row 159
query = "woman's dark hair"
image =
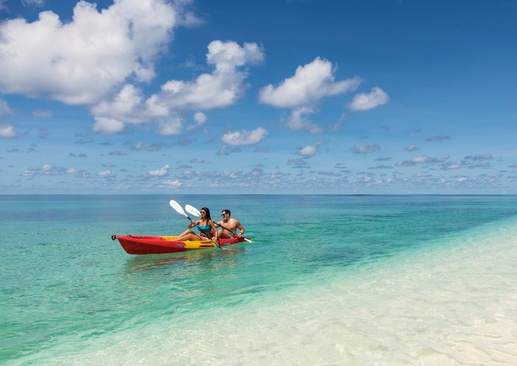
column 207, row 212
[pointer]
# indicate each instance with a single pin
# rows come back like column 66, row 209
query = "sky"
column 258, row 97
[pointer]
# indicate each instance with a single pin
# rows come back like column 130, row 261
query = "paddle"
column 175, row 205
column 194, row 211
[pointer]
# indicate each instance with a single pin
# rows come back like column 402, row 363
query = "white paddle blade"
column 175, row 205
column 192, row 210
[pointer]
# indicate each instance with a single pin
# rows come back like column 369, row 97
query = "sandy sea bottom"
column 452, row 303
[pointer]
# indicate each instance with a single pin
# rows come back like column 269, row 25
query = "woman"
column 206, row 226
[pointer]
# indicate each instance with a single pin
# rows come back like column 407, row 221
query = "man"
column 229, row 226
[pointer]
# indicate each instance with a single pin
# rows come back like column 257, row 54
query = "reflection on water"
column 209, row 258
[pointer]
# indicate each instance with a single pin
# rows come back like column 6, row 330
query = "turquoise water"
column 328, row 280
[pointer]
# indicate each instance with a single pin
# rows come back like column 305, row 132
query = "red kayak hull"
column 141, row 245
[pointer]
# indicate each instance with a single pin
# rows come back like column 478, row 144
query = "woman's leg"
column 189, row 236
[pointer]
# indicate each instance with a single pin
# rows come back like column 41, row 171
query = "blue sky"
column 323, row 96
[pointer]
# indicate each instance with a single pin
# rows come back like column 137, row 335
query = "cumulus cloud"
column 107, row 125
column 160, row 172
column 218, row 89
column 244, row 137
column 172, row 183
column 45, row 169
column 479, row 157
column 456, row 165
column 7, row 131
column 302, row 92
column 117, row 153
column 411, row 147
column 32, row 2
column 126, row 105
column 170, row 126
column 422, row 159
column 76, row 62
column 298, row 120
column 308, row 86
column 200, row 118
column 222, row 87
column 365, row 149
column 308, row 150
column 104, row 173
column 364, row 101
column 4, row 108
column 142, row 146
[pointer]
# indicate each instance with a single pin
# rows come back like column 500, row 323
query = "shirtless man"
column 231, row 224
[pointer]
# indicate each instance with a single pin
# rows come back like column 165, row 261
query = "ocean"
column 328, row 280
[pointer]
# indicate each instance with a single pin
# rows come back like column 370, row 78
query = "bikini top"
column 205, row 228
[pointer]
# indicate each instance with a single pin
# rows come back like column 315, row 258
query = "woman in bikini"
column 206, row 226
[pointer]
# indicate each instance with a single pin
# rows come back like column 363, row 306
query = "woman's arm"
column 213, row 229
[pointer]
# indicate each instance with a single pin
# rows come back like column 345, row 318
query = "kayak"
column 138, row 244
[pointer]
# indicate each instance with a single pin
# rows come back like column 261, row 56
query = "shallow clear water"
column 328, row 280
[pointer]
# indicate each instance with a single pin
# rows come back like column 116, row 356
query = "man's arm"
column 241, row 228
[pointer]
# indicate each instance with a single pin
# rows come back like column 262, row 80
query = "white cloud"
column 200, row 118
column 4, row 108
column 172, row 183
column 421, row 159
column 479, row 157
column 454, row 166
column 308, row 151
column 77, row 62
column 160, row 172
column 107, row 125
column 228, row 55
column 33, row 2
column 170, row 126
column 365, row 149
column 45, row 169
column 104, row 173
column 7, row 131
column 298, row 121
column 221, row 88
column 411, row 147
column 364, row 102
column 307, row 87
column 126, row 105
column 244, row 137
column 303, row 92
